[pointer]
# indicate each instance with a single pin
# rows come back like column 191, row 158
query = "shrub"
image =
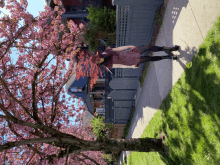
column 99, row 127
column 102, row 25
column 103, row 18
column 92, row 35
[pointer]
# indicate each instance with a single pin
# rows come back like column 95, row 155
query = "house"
column 93, row 99
column 113, row 96
column 76, row 9
column 77, row 12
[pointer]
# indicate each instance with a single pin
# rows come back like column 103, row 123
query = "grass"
column 141, row 80
column 126, row 129
column 144, row 72
column 190, row 115
column 159, row 16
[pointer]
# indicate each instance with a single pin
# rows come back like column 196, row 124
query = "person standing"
column 130, row 56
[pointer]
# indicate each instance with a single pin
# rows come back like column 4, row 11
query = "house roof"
column 81, row 82
column 87, row 117
column 72, row 79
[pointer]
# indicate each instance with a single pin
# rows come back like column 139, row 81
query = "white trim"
column 100, row 110
column 123, row 66
column 100, row 80
column 72, row 79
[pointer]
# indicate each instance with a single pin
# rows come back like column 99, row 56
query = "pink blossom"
column 35, row 83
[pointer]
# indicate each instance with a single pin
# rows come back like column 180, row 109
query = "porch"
column 134, row 26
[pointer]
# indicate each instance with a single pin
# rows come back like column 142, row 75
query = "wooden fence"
column 117, row 131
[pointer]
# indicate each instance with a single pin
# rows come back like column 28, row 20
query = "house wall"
column 134, row 26
column 77, row 2
column 98, row 105
column 130, row 16
column 72, row 2
column 93, row 2
column 98, row 97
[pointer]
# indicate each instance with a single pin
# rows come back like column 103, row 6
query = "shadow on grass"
column 186, row 126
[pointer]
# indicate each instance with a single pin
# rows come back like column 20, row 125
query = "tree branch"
column 53, row 132
column 9, row 46
column 90, row 159
column 10, row 145
column 56, row 98
column 34, row 104
column 31, row 158
column 67, row 155
column 27, row 47
column 42, row 101
column 80, row 159
column 14, row 98
column 30, row 146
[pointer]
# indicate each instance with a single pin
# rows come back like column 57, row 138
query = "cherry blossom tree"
column 86, row 68
column 34, row 112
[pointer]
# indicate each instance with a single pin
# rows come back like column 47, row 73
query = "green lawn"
column 190, row 115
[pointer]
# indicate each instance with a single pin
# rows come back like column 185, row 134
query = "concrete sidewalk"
column 186, row 23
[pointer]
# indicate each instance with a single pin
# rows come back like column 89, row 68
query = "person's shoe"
column 176, row 47
column 167, row 49
column 175, row 57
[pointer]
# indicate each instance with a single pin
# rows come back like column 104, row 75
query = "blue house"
column 108, row 98
column 114, row 95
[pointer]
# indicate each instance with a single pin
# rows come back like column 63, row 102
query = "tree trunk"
column 107, row 145
column 135, row 144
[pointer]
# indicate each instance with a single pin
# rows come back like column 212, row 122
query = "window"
column 76, row 90
column 100, row 110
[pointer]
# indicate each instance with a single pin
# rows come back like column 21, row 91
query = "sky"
column 34, row 6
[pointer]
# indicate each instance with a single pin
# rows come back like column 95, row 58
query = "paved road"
column 186, row 23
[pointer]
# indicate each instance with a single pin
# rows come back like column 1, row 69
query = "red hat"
column 96, row 57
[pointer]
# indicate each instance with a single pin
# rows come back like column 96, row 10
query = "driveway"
column 186, row 23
